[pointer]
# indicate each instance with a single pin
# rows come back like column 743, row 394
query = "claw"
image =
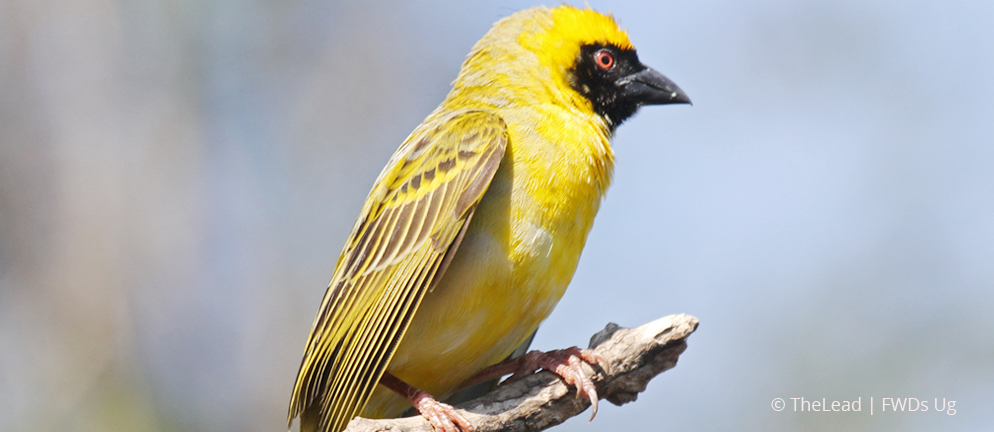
column 592, row 394
column 566, row 363
column 573, row 373
column 442, row 417
column 594, row 357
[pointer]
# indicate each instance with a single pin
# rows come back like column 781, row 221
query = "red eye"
column 604, row 59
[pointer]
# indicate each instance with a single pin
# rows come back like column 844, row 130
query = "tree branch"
column 538, row 402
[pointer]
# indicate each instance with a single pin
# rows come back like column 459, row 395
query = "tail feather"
column 310, row 418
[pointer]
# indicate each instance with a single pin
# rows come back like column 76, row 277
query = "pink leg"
column 443, row 417
column 564, row 362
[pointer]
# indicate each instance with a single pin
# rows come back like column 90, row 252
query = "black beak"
column 648, row 87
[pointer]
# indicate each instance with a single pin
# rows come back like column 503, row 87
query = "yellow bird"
column 473, row 230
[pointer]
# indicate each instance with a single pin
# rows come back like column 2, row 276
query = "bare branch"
column 540, row 401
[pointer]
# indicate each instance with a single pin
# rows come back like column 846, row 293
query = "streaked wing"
column 410, row 226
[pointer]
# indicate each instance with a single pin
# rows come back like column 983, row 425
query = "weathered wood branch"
column 540, row 401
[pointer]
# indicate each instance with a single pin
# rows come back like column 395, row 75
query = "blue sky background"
column 177, row 179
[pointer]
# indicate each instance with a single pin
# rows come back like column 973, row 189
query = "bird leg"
column 443, row 417
column 565, row 363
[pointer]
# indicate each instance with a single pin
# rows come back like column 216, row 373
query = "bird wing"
column 409, row 229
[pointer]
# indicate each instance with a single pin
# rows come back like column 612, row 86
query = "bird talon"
column 442, row 417
column 592, row 394
column 593, row 357
column 568, row 365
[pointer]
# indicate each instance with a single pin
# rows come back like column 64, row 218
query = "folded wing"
column 408, row 230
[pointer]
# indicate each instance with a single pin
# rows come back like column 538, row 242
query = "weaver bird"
column 473, row 230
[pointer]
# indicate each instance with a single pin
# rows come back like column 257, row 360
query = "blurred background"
column 177, row 179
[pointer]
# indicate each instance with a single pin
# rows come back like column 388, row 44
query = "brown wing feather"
column 409, row 228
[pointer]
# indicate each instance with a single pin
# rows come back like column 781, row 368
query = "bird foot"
column 566, row 363
column 442, row 417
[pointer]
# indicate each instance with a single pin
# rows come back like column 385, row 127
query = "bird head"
column 569, row 56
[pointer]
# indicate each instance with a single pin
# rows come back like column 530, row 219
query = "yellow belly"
column 513, row 266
